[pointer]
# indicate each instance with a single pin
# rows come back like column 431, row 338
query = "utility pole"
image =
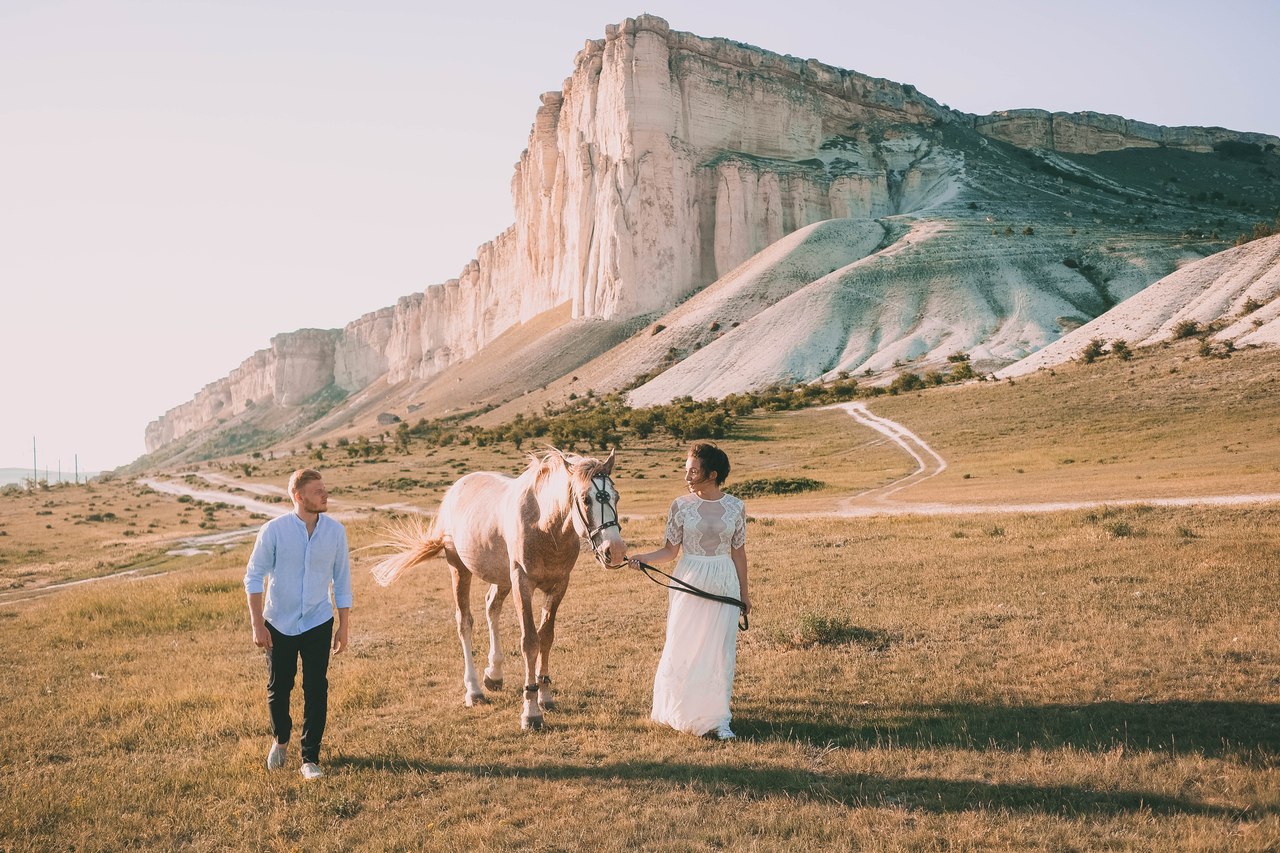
column 77, row 469
column 35, row 469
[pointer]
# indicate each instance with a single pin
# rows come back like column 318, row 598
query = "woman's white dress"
column 694, row 681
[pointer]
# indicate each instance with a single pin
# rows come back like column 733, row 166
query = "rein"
column 743, row 622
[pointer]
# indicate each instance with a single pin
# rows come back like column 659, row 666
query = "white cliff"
column 665, row 162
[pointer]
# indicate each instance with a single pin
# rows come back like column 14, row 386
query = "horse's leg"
column 547, row 636
column 522, row 588
column 462, row 602
column 492, row 608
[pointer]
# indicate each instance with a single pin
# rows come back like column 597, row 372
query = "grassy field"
column 70, row 533
column 1168, row 423
column 1105, row 678
column 1086, row 680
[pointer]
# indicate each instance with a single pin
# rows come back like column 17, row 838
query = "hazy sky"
column 179, row 180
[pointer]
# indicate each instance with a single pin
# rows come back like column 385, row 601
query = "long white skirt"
column 694, row 680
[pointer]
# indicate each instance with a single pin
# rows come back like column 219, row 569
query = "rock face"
column 1092, row 133
column 297, row 366
column 667, row 161
column 1236, row 291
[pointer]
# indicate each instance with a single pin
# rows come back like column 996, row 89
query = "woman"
column 694, row 681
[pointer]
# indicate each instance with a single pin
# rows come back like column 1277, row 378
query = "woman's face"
column 694, row 476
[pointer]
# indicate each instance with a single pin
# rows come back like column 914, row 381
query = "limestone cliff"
column 665, row 162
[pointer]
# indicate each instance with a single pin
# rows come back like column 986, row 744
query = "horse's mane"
column 580, row 468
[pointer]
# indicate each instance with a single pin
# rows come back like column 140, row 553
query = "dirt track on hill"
column 929, row 464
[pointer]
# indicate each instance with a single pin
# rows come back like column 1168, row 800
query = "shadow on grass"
column 855, row 790
column 1247, row 732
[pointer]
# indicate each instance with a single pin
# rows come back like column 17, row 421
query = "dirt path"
column 929, row 463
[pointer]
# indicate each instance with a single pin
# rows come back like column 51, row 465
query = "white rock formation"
column 1240, row 287
column 665, row 162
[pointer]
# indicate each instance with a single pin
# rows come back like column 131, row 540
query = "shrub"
column 1120, row 347
column 1092, row 350
column 818, row 630
column 1120, row 529
column 775, row 486
column 1185, row 329
column 905, row 382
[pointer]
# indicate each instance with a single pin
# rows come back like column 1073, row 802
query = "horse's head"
column 595, row 501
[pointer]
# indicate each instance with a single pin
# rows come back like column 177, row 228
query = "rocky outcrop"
column 1093, row 133
column 665, row 162
column 297, row 366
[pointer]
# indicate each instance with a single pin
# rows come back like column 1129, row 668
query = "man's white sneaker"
column 275, row 758
column 311, row 770
column 725, row 733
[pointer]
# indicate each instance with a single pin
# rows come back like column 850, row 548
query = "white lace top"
column 707, row 528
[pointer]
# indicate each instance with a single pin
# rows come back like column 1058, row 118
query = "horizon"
column 307, row 166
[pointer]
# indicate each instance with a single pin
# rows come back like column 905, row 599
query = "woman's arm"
column 739, row 555
column 668, row 552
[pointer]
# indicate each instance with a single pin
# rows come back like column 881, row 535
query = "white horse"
column 517, row 533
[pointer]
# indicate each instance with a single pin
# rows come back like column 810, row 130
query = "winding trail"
column 877, row 501
column 929, row 463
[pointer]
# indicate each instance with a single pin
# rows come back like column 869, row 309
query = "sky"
column 182, row 180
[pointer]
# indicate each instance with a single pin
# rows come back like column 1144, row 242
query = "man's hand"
column 340, row 638
column 261, row 636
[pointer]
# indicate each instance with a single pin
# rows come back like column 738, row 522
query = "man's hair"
column 712, row 459
column 300, row 478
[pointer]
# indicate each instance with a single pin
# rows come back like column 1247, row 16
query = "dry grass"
column 1098, row 679
column 1038, row 682
column 1168, row 423
column 69, row 532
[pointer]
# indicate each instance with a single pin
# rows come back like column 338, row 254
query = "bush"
column 1185, row 329
column 775, row 486
column 1092, row 350
column 818, row 630
column 1120, row 347
column 905, row 382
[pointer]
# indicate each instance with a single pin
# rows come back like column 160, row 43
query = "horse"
column 516, row 533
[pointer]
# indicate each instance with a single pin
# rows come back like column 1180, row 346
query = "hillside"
column 1231, row 296
column 700, row 216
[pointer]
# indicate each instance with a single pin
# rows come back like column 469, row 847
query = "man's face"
column 312, row 497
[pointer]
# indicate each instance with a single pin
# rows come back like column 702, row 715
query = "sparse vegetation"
column 775, row 486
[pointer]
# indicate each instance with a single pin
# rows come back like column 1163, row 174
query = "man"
column 304, row 554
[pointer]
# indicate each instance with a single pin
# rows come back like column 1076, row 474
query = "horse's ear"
column 608, row 463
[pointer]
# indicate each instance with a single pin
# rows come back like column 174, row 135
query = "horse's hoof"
column 549, row 705
column 474, row 699
column 531, row 724
column 494, row 684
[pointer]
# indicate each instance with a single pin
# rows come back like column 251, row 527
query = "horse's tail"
column 413, row 542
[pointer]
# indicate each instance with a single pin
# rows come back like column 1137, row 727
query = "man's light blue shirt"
column 302, row 569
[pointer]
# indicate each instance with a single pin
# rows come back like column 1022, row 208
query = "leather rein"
column 743, row 622
column 604, row 496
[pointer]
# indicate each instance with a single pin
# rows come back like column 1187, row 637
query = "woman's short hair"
column 712, row 459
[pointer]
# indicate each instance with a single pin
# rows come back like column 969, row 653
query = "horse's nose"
column 614, row 551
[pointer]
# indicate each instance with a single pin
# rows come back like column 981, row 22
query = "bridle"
column 603, row 493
